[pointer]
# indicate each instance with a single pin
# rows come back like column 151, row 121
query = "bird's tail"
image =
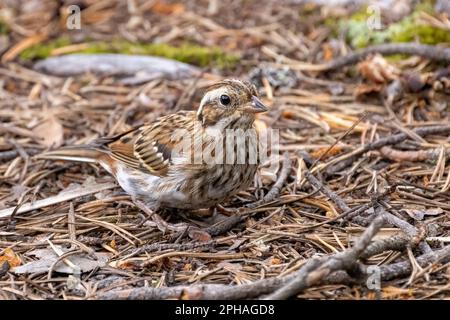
column 81, row 153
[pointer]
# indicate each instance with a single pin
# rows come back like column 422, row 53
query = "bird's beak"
column 256, row 106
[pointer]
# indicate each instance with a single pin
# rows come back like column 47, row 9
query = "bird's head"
column 228, row 103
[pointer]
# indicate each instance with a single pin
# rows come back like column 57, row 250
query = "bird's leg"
column 226, row 211
column 159, row 222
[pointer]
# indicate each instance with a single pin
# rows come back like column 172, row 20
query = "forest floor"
column 356, row 206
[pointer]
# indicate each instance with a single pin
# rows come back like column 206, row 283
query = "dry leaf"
column 113, row 244
column 11, row 258
column 125, row 265
column 419, row 214
column 50, row 132
column 167, row 9
column 377, row 69
column 321, row 152
column 391, row 292
column 330, row 214
column 328, row 53
column 47, row 257
column 275, row 261
column 199, row 235
column 187, row 267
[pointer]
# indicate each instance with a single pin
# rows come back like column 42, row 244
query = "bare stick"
column 63, row 196
column 326, row 191
column 390, row 140
column 278, row 185
column 407, row 228
column 426, row 51
column 340, row 261
column 265, row 286
column 396, row 243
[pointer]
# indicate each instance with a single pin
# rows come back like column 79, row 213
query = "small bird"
column 158, row 163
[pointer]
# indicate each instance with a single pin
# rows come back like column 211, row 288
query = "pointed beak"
column 256, row 106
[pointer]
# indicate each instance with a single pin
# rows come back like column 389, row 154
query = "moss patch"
column 359, row 35
column 189, row 53
column 43, row 50
column 4, row 29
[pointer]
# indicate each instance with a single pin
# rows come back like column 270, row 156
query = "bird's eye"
column 225, row 100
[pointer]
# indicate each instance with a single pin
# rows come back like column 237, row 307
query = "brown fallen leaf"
column 113, row 244
column 50, row 132
column 199, row 235
column 329, row 152
column 275, row 261
column 328, row 53
column 420, row 213
column 167, row 9
column 11, row 258
column 377, row 69
column 392, row 292
column 47, row 257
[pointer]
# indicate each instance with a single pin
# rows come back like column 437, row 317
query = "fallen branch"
column 407, row 228
column 170, row 246
column 426, row 51
column 269, row 285
column 138, row 68
column 340, row 261
column 396, row 243
column 411, row 155
column 404, row 268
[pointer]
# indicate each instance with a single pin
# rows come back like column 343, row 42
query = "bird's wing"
column 150, row 148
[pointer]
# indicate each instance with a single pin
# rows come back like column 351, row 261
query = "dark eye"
column 225, row 100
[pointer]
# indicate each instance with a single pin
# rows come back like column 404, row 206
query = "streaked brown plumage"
column 155, row 163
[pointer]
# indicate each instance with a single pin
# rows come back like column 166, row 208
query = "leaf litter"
column 362, row 131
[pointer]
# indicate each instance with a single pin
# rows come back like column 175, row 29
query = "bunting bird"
column 155, row 165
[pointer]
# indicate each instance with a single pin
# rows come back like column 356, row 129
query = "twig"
column 278, row 185
column 339, row 261
column 397, row 243
column 411, row 155
column 265, row 286
column 273, row 193
column 426, row 51
column 326, row 191
column 409, row 229
column 390, row 140
column 403, row 268
column 225, row 225
column 171, row 246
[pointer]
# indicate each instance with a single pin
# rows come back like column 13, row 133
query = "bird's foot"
column 227, row 211
column 157, row 221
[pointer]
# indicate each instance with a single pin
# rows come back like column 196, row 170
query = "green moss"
column 359, row 35
column 189, row 53
column 4, row 28
column 43, row 50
